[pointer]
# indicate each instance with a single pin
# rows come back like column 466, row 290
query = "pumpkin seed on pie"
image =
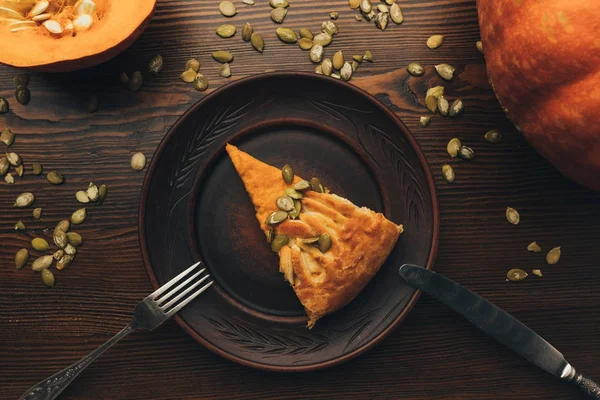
column 287, row 173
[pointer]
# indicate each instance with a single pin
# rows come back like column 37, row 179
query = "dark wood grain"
column 433, row 354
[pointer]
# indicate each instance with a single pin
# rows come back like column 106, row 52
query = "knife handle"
column 587, row 386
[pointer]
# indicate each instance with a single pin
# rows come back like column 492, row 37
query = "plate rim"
column 291, row 75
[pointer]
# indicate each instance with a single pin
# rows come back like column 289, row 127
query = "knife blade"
column 497, row 324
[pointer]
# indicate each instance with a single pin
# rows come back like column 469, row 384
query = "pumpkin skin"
column 543, row 61
column 122, row 23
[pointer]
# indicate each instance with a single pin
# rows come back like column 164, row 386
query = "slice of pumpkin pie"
column 328, row 247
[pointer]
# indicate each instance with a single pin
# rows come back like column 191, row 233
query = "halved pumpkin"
column 67, row 35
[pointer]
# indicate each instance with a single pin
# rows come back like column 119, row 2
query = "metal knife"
column 498, row 324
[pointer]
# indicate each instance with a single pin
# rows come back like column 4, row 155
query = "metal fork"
column 148, row 315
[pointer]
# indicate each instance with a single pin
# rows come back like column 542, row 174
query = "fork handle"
column 51, row 387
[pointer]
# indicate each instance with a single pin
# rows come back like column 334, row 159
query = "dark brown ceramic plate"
column 194, row 207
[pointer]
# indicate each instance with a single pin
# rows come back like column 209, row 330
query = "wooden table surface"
column 434, row 354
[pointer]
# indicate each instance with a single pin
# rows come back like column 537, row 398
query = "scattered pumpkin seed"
column 338, row 60
column 358, row 17
column 287, row 35
column 381, row 20
column 479, row 46
column 278, row 14
column 329, row 27
column 102, row 190
column 60, row 238
column 432, row 96
column 318, row 70
column 415, row 69
column 316, row 185
column 537, row 272
column 302, row 185
column 305, row 44
column 368, row 56
column 225, row 70
column 445, row 71
column 156, row 64
column 188, row 75
column 222, row 56
column 516, row 275
column 13, row 159
column 37, row 213
column 443, row 105
column 82, row 197
column 311, row 240
column 553, row 255
column 327, row 66
column 138, row 161
column 247, row 32
column 21, row 258
column 276, row 217
column 24, row 200
column 453, row 147
column 354, row 4
column 355, row 66
column 22, row 94
column 58, row 254
column 278, row 3
column 40, row 244
column 448, row 173
column 324, row 242
column 293, row 193
column 3, row 105
column 55, row 178
column 287, row 174
column 346, row 71
column 466, row 153
column 257, row 41
column 534, row 247
column 396, row 14
column 37, row 169
column 306, row 33
column 424, row 120
column 435, row 41
column 227, row 8
column 64, row 262
column 74, row 239
column 92, row 191
column 79, row 216
column 456, row 108
column 63, row 225
column 493, row 136
column 324, row 39
column 226, row 30
column 249, row 2
column 7, row 136
column 4, row 165
column 70, row 249
column 48, row 278
column 20, row 225
column 124, row 78
column 334, row 15
column 383, row 8
column 285, row 203
column 135, row 83
column 512, row 216
column 278, row 242
column 370, row 15
column 9, row 179
column 92, row 104
column 42, row 263
column 193, row 64
column 316, row 52
column 365, row 6
column 19, row 170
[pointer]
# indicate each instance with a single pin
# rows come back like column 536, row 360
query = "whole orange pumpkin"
column 543, row 61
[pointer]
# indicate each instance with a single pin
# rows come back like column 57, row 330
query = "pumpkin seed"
column 338, row 60
column 534, row 247
column 358, row 58
column 334, row 15
column 42, row 263
column 4, row 166
column 329, row 27
column 453, row 147
column 37, row 213
column 92, row 104
column 64, row 262
column 278, row 3
column 537, row 272
column 435, row 41
column 278, row 242
column 424, row 120
column 285, row 203
column 21, row 258
column 415, row 69
column 516, row 275
column 9, row 179
column 48, row 278
column 368, row 56
column 512, row 216
column 365, row 6
column 222, row 56
column 445, row 71
column 354, row 4
column 370, row 16
column 270, row 235
column 60, row 238
column 302, row 185
column 323, row 39
column 293, row 193
column 20, row 226
column 188, row 75
column 316, row 185
column 3, row 105
column 249, row 2
column 456, row 108
column 102, row 190
column 135, row 83
column 225, row 70
column 58, row 254
column 7, row 136
column 443, row 105
column 226, row 30
column 448, row 173
column 13, row 159
column 92, row 191
column 316, row 52
column 19, row 170
column 355, row 66
column 63, row 225
column 324, row 242
column 479, row 46
column 24, row 200
column 318, row 70
column 287, row 35
column 156, row 64
column 305, row 44
column 193, row 64
column 327, row 66
column 247, row 32
column 70, row 250
column 82, row 197
column 382, row 20
column 276, row 217
column 306, row 33
column 553, row 256
column 40, row 244
column 38, row 8
column 358, row 17
column 138, row 161
column 37, row 169
column 22, row 94
column 396, row 14
column 466, row 153
column 493, row 136
column 278, row 14
column 227, row 8
column 346, row 71
column 432, row 96
column 124, row 78
column 383, row 8
column 257, row 42
column 74, row 239
column 78, row 216
column 311, row 240
column 55, row 178
column 287, row 174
